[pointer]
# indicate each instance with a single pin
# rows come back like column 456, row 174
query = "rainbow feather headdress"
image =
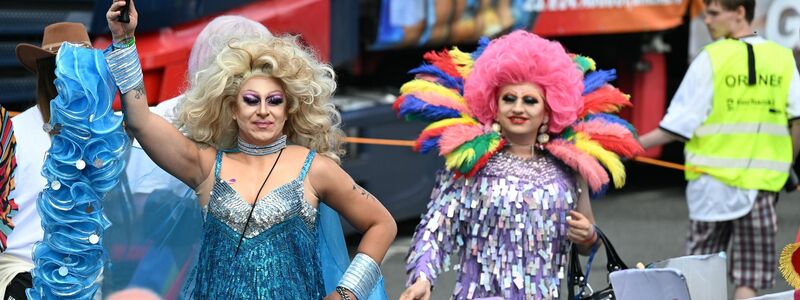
column 591, row 141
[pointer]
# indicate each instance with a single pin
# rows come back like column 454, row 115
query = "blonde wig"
column 206, row 115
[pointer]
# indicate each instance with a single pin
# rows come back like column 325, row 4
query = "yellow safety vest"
column 745, row 140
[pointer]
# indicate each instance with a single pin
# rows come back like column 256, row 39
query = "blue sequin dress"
column 278, row 258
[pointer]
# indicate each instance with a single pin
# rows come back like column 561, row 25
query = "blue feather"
column 421, row 110
column 441, row 77
column 613, row 119
column 594, row 80
column 429, row 145
column 482, row 43
column 594, row 195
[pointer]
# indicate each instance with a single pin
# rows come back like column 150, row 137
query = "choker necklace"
column 255, row 150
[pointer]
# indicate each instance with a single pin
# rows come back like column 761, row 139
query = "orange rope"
column 407, row 143
column 385, row 142
column 661, row 163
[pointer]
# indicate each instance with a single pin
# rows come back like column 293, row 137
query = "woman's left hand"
column 581, row 230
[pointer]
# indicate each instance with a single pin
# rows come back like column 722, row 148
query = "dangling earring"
column 543, row 137
column 496, row 127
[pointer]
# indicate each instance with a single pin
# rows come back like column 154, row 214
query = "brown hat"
column 54, row 35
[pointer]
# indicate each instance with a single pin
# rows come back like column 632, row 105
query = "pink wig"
column 520, row 57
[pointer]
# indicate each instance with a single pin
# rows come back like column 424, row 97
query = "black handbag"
column 576, row 279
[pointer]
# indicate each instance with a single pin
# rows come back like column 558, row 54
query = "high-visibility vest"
column 745, row 140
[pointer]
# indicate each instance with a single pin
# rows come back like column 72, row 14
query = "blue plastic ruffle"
column 84, row 161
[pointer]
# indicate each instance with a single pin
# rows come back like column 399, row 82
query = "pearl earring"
column 496, row 127
column 543, row 137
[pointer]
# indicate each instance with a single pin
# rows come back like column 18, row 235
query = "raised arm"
column 165, row 145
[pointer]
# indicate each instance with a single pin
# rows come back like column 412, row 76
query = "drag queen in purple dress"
column 512, row 200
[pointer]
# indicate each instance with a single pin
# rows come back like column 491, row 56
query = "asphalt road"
column 646, row 222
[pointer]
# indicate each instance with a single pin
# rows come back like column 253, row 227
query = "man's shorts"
column 749, row 241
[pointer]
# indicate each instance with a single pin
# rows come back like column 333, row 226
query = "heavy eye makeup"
column 252, row 99
column 526, row 99
column 275, row 99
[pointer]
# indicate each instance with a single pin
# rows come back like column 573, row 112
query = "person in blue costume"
column 161, row 214
column 259, row 194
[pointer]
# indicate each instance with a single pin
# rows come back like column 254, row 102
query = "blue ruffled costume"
column 83, row 163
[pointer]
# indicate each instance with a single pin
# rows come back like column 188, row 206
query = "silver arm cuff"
column 125, row 68
column 361, row 276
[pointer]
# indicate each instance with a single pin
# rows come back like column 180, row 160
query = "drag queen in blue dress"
column 259, row 142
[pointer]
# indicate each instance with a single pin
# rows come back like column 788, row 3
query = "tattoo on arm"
column 138, row 91
column 363, row 192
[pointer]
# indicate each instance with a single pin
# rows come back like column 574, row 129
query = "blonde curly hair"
column 205, row 116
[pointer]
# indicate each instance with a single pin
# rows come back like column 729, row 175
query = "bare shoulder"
column 324, row 166
column 295, row 152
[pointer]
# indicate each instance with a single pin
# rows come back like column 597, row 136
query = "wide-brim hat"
column 54, row 35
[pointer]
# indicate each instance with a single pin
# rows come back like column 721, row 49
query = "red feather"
column 443, row 61
column 397, row 102
column 606, row 99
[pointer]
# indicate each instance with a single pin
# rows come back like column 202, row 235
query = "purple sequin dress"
column 506, row 226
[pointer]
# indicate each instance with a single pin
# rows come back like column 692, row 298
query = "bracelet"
column 125, row 43
column 361, row 276
column 342, row 293
column 125, row 67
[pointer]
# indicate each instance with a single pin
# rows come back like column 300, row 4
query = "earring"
column 496, row 127
column 543, row 137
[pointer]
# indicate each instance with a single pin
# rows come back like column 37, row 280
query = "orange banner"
column 582, row 17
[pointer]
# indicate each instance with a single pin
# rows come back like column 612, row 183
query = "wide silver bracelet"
column 361, row 276
column 125, row 68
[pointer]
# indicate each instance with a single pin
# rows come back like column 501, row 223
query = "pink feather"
column 613, row 137
column 426, row 77
column 585, row 164
column 456, row 135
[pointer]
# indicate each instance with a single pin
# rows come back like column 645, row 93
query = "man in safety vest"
column 737, row 110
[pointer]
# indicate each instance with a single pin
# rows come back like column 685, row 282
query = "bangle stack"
column 125, row 43
column 342, row 293
column 361, row 276
column 124, row 65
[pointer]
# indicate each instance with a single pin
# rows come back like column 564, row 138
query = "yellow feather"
column 791, row 275
column 462, row 60
column 593, row 64
column 464, row 119
column 456, row 158
column 419, row 85
column 609, row 159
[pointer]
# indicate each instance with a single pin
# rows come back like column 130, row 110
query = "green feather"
column 480, row 145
